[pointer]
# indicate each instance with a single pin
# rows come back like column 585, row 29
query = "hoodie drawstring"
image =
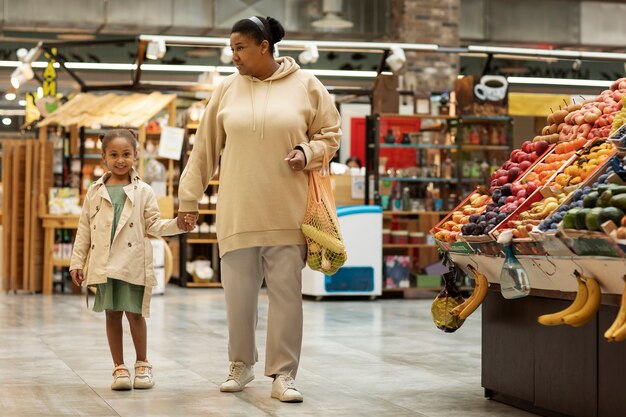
column 252, row 98
column 267, row 96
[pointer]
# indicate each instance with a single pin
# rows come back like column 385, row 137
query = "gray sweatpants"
column 243, row 271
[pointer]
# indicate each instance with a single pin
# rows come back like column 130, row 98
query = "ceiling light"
column 310, row 55
column 21, row 102
column 227, row 55
column 331, row 19
column 9, row 96
column 21, row 74
column 397, row 59
column 156, row 49
column 6, row 121
column 559, row 81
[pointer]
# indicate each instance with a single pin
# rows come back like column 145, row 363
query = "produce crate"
column 534, row 197
column 454, row 247
column 484, row 245
column 528, row 246
column 588, row 243
column 551, row 243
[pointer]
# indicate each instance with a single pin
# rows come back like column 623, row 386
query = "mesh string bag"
column 325, row 249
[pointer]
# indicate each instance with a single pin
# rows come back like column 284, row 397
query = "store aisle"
column 381, row 358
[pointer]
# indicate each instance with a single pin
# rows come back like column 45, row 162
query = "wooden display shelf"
column 485, row 147
column 419, row 116
column 407, row 245
column 414, row 213
column 61, row 262
column 198, row 241
column 207, row 211
column 204, row 285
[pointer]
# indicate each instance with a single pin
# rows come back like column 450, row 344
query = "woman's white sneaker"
column 284, row 389
column 240, row 375
column 144, row 379
column 121, row 378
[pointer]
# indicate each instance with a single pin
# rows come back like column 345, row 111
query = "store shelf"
column 419, row 116
column 60, row 262
column 485, row 147
column 193, row 241
column 203, row 285
column 407, row 246
column 414, row 213
column 485, row 118
column 89, row 156
column 417, row 146
column 206, row 211
column 422, row 179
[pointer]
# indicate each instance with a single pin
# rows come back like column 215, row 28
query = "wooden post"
column 171, row 121
column 43, row 138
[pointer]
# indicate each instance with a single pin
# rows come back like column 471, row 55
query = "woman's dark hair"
column 127, row 134
column 267, row 28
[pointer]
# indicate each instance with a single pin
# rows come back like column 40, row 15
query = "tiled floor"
column 359, row 358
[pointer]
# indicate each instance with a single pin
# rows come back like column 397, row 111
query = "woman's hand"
column 187, row 220
column 77, row 276
column 296, row 160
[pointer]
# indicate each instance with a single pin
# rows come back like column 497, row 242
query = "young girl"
column 118, row 213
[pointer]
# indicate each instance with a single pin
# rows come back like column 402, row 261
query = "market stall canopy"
column 111, row 110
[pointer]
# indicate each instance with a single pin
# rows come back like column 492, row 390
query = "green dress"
column 118, row 295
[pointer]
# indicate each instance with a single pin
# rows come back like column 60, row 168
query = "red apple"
column 513, row 174
column 502, row 180
column 510, row 199
column 527, row 146
column 521, row 194
column 541, row 147
column 534, row 157
column 530, row 187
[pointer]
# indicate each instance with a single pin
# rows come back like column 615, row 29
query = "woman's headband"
column 261, row 26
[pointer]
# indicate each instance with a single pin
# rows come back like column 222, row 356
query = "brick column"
column 428, row 21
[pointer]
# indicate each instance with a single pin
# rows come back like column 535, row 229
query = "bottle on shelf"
column 447, row 169
column 406, row 199
column 389, row 138
column 514, row 281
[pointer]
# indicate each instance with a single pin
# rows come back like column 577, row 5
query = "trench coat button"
column 93, row 246
column 135, row 187
column 130, row 244
column 131, row 224
column 97, row 208
column 94, row 227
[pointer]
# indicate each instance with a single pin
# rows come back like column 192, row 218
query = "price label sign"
column 171, row 144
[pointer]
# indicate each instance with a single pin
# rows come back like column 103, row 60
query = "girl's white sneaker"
column 143, row 375
column 121, row 378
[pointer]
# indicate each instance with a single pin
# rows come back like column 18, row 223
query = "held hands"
column 77, row 276
column 296, row 160
column 186, row 221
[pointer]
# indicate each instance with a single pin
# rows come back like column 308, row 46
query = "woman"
column 263, row 128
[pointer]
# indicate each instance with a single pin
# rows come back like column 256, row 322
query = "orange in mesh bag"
column 325, row 249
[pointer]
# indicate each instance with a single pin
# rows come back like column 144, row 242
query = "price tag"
column 171, row 144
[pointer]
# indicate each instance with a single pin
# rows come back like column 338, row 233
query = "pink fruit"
column 534, row 157
column 521, row 201
column 513, row 174
column 502, row 180
column 530, row 187
column 521, row 194
column 525, row 165
column 510, row 199
column 501, row 172
column 526, row 146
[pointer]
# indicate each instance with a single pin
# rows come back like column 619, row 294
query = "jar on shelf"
column 417, row 238
column 400, row 237
column 386, row 236
column 389, row 138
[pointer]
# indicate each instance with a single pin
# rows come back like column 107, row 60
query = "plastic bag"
column 325, row 249
column 446, row 300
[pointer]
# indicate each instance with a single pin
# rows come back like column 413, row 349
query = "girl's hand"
column 186, row 221
column 77, row 276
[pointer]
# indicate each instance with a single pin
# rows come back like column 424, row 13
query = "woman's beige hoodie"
column 247, row 130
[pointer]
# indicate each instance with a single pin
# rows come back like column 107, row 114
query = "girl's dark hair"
column 127, row 134
column 270, row 30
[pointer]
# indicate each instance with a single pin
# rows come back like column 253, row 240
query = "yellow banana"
column 617, row 331
column 555, row 319
column 473, row 301
column 591, row 306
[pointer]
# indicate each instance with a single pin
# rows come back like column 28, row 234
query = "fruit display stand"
column 529, row 361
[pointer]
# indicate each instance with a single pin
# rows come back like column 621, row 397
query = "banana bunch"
column 617, row 331
column 583, row 308
column 470, row 305
column 541, row 209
